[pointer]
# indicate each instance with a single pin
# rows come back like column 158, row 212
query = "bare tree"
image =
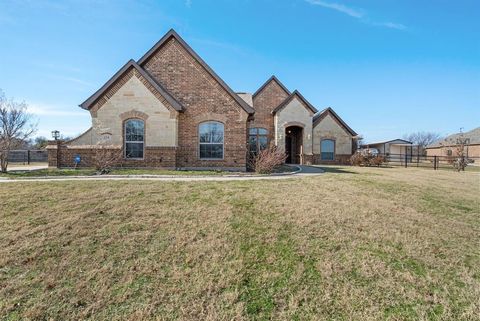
column 422, row 140
column 16, row 126
column 457, row 150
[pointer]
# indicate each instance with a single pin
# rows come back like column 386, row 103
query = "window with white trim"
column 211, row 140
column 134, row 138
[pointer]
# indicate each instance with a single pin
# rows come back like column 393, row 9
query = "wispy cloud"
column 358, row 13
column 41, row 109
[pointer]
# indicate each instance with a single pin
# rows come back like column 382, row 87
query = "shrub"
column 105, row 158
column 265, row 161
column 366, row 158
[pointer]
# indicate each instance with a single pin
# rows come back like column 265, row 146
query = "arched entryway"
column 294, row 144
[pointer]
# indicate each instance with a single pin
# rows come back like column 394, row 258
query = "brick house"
column 171, row 110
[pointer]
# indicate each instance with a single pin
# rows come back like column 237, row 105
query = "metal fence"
column 433, row 162
column 27, row 156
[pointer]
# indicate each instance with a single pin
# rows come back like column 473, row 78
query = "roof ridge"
column 272, row 78
column 172, row 33
column 290, row 97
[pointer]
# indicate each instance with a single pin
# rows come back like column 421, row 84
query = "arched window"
column 211, row 140
column 327, row 149
column 257, row 139
column 134, row 138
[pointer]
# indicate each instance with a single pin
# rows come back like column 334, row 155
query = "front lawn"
column 351, row 244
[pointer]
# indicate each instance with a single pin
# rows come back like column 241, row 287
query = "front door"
column 293, row 144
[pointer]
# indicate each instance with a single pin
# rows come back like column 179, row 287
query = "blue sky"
column 387, row 67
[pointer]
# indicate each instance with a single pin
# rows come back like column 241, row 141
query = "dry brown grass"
column 355, row 243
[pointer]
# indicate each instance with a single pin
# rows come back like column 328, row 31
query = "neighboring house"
column 446, row 146
column 394, row 150
column 170, row 109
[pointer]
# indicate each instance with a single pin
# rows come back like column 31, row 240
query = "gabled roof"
column 173, row 34
column 290, row 98
column 318, row 117
column 273, row 78
column 397, row 140
column 87, row 104
column 473, row 136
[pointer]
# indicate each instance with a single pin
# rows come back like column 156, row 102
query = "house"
column 446, row 146
column 394, row 150
column 169, row 109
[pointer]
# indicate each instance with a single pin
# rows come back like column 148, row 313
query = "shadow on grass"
column 337, row 170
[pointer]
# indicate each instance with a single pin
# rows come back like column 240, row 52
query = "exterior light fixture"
column 55, row 134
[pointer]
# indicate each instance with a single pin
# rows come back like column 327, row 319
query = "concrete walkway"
column 304, row 171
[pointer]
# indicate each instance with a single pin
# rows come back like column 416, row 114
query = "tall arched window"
column 134, row 138
column 211, row 140
column 327, row 149
column 257, row 139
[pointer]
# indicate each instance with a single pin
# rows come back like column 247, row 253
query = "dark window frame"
column 200, row 143
column 257, row 134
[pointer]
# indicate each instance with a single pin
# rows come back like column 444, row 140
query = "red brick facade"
column 155, row 157
column 204, row 99
column 193, row 94
column 265, row 100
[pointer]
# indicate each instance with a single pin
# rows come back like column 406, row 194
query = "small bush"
column 366, row 158
column 267, row 160
column 105, row 158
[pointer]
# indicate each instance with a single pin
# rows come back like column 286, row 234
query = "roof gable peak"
column 173, row 34
column 329, row 110
column 87, row 104
column 294, row 94
column 269, row 80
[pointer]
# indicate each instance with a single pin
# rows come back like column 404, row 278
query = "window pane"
column 327, row 145
column 262, row 131
column 211, row 132
column 252, row 131
column 252, row 143
column 262, row 142
column 217, row 151
column 327, row 148
column 217, row 133
column 204, row 132
column 211, row 151
column 134, row 130
column 134, row 150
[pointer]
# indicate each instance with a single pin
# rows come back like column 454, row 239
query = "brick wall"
column 204, row 99
column 154, row 157
column 264, row 103
column 339, row 160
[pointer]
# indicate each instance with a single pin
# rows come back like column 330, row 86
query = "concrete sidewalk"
column 303, row 172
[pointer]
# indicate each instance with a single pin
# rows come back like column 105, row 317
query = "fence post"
column 435, row 162
column 406, row 159
column 28, row 156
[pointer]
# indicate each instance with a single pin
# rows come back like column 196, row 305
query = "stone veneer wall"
column 295, row 114
column 329, row 128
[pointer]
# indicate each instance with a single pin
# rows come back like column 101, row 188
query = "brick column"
column 53, row 149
